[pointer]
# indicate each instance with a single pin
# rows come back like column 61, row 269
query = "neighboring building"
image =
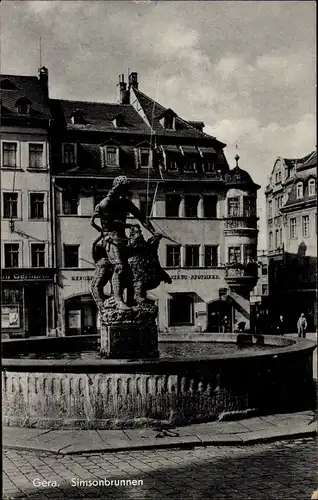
column 260, row 291
column 181, row 179
column 26, row 235
column 292, row 239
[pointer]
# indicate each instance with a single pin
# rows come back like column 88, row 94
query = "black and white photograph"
column 159, row 249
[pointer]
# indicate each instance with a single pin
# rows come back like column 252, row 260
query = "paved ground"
column 284, row 470
column 247, row 431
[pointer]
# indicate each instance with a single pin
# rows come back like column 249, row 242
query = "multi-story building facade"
column 26, row 235
column 292, row 239
column 182, row 181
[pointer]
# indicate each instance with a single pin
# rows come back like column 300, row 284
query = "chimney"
column 133, row 80
column 124, row 97
column 44, row 81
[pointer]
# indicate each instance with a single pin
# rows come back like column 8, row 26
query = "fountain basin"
column 113, row 393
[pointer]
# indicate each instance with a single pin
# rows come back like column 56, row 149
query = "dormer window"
column 111, row 155
column 299, row 190
column 311, row 187
column 190, row 165
column 278, row 177
column 172, row 165
column 69, row 154
column 23, row 106
column 144, row 157
column 77, row 117
column 168, row 120
column 209, row 166
column 119, row 121
column 7, row 85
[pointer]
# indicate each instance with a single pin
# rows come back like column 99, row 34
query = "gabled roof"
column 154, row 111
column 99, row 116
column 27, row 87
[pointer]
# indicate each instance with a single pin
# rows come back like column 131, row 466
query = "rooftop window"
column 299, row 190
column 7, row 85
column 23, row 106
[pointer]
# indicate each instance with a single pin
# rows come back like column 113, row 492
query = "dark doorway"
column 80, row 316
column 35, row 309
column 217, row 311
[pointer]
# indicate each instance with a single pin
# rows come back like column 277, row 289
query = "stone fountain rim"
column 296, row 345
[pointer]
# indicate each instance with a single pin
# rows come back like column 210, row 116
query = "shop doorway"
column 81, row 316
column 217, row 311
column 35, row 309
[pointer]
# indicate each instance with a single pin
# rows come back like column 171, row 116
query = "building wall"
column 25, row 231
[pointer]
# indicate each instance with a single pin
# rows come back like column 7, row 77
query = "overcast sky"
column 247, row 69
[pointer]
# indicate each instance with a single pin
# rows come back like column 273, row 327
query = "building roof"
column 99, row 116
column 27, row 87
column 154, row 112
column 305, row 171
column 239, row 177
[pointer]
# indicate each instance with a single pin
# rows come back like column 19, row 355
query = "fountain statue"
column 128, row 262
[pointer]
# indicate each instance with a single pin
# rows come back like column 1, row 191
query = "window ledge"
column 37, row 169
column 38, row 220
column 6, row 167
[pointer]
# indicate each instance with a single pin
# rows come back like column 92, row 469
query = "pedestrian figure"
column 224, row 325
column 280, row 325
column 302, row 326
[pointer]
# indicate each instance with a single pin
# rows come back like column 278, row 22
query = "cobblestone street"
column 283, row 470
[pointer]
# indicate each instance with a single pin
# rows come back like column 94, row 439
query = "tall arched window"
column 299, row 190
column 311, row 187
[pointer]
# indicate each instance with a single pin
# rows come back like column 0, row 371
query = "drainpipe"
column 53, row 238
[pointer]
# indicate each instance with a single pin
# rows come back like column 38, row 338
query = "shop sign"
column 26, row 274
column 10, row 316
column 195, row 277
column 81, row 278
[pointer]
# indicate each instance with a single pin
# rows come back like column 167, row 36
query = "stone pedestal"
column 129, row 334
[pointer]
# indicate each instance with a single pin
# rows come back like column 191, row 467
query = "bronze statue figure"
column 112, row 212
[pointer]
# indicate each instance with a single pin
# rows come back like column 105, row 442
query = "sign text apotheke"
column 27, row 274
column 195, row 277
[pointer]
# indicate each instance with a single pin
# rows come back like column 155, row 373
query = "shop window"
column 191, row 205
column 305, row 225
column 211, row 255
column 210, row 206
column 293, row 228
column 172, row 205
column 264, row 269
column 249, row 207
column 180, row 308
column 264, row 290
column 9, row 154
column 192, row 255
column 249, row 253
column 68, row 153
column 11, row 255
column 173, row 256
column 36, row 155
column 37, row 255
column 69, row 203
column 234, row 255
column 299, row 190
column 10, row 205
column 144, row 155
column 36, row 205
column 311, row 187
column 71, row 257
column 233, row 207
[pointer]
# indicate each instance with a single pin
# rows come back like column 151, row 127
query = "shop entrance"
column 35, row 309
column 217, row 311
